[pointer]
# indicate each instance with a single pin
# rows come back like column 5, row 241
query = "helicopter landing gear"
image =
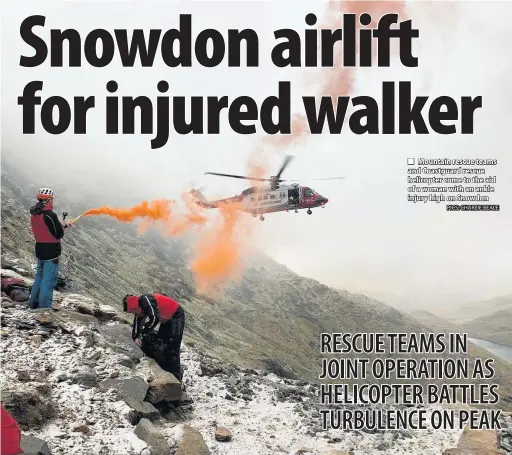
column 262, row 217
column 296, row 211
column 309, row 212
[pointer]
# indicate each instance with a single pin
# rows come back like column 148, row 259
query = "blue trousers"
column 44, row 284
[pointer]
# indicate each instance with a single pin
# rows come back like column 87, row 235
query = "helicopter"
column 263, row 199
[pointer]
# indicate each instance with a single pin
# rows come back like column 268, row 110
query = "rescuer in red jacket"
column 163, row 346
column 11, row 435
column 48, row 232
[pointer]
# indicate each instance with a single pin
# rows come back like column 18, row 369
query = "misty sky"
column 368, row 238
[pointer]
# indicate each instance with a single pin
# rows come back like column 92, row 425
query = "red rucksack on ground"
column 16, row 289
column 11, row 435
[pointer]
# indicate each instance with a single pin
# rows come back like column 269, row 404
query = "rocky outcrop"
column 101, row 312
column 223, row 434
column 506, row 433
column 23, row 268
column 191, row 443
column 135, row 387
column 118, row 337
column 31, row 405
column 133, row 392
column 157, row 443
column 163, row 386
column 477, row 442
column 34, row 446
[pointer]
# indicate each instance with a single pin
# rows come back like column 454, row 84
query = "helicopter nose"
column 323, row 200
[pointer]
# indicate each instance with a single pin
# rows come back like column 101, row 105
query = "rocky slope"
column 78, row 385
column 270, row 318
column 434, row 322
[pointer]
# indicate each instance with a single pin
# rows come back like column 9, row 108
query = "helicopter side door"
column 294, row 196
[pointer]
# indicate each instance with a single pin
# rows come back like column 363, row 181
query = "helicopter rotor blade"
column 244, row 177
column 285, row 164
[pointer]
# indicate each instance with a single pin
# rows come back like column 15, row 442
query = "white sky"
column 368, row 238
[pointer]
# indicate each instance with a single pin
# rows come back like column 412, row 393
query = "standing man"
column 48, row 232
column 163, row 346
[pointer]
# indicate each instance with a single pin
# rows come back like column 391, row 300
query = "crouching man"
column 163, row 346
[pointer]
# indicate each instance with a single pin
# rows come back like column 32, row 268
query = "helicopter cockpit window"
column 308, row 193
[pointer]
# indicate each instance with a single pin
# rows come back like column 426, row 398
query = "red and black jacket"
column 154, row 308
column 48, row 231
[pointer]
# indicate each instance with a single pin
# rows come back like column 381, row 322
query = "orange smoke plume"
column 159, row 210
column 338, row 80
column 217, row 253
column 299, row 129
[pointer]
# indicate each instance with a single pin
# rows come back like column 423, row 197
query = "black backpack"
column 153, row 346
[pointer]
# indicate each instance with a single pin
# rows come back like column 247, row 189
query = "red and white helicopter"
column 259, row 200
